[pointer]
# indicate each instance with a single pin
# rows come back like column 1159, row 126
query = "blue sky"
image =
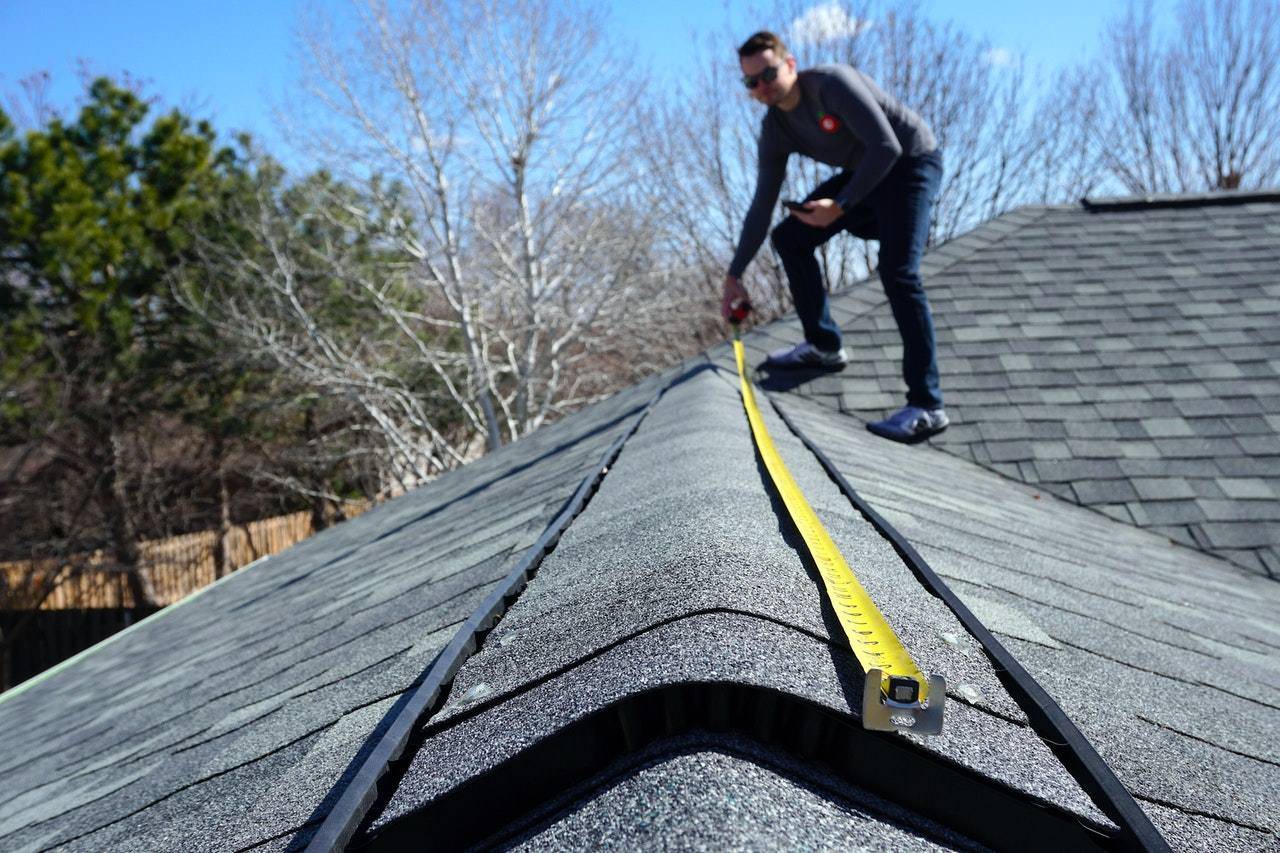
column 229, row 60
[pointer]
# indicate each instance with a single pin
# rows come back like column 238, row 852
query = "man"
column 891, row 170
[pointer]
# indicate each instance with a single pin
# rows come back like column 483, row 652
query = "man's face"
column 770, row 93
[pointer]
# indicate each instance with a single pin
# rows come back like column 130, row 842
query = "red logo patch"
column 828, row 122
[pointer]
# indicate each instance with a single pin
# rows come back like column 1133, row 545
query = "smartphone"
column 795, row 206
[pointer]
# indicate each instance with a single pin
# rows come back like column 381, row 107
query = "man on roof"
column 890, row 173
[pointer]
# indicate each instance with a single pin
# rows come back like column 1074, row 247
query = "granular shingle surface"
column 670, row 576
column 1124, row 357
column 1112, row 376
column 735, row 796
column 231, row 719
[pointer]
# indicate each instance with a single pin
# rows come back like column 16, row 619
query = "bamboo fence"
column 178, row 566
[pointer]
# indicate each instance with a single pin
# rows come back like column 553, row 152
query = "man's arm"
column 848, row 96
column 772, row 168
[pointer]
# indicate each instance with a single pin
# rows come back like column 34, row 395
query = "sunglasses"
column 767, row 76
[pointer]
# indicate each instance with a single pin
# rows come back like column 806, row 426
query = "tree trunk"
column 221, row 552
column 4, row 662
column 319, row 506
column 128, row 555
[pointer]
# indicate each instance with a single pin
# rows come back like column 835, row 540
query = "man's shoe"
column 806, row 355
column 911, row 424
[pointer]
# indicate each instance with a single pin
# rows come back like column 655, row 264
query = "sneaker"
column 911, row 424
column 805, row 354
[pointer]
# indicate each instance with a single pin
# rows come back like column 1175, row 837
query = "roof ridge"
column 1047, row 718
column 1154, row 201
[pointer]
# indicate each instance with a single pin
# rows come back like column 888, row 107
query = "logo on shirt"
column 828, row 122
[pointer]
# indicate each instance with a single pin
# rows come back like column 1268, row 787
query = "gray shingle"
column 1167, row 427
column 1162, row 488
column 1009, row 451
column 1125, row 608
column 1093, row 429
column 1133, row 368
column 1237, row 534
column 1198, row 448
column 1103, row 491
column 1248, row 488
column 1077, row 469
column 234, row 714
column 1225, row 510
column 1152, row 336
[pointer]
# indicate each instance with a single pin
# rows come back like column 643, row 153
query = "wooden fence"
column 178, row 566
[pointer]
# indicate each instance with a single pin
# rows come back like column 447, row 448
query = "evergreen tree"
column 94, row 216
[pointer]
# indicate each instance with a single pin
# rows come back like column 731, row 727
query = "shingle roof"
column 665, row 580
column 1121, row 354
column 659, row 583
column 227, row 720
column 1165, row 658
column 672, row 674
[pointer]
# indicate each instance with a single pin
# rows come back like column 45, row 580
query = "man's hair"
column 762, row 41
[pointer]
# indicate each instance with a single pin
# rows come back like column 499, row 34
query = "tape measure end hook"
column 901, row 706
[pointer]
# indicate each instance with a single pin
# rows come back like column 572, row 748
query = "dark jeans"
column 896, row 213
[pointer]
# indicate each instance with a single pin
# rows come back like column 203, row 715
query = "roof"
column 669, row 673
column 1121, row 354
column 226, row 721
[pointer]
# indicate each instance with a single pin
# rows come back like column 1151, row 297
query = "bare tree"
column 506, row 124
column 1138, row 141
column 1065, row 165
column 303, row 297
column 1230, row 53
column 1196, row 110
column 31, row 107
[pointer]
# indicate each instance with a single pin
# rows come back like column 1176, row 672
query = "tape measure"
column 897, row 696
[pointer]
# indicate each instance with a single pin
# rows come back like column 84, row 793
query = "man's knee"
column 901, row 279
column 899, row 267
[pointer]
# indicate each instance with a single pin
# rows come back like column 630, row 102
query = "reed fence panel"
column 178, row 566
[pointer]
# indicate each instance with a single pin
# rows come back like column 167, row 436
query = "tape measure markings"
column 870, row 636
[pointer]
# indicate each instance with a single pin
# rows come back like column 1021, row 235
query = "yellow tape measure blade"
column 903, row 698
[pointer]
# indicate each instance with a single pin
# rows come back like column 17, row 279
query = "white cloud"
column 823, row 23
column 998, row 56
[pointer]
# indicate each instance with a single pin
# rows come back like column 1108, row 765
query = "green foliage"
column 114, row 226
column 93, row 216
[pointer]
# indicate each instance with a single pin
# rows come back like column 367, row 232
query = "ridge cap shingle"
column 1154, row 201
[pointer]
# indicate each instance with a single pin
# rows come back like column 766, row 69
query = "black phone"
column 795, row 205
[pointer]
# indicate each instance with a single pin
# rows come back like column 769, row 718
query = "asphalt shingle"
column 1164, row 657
column 658, row 583
column 1127, row 312
column 232, row 716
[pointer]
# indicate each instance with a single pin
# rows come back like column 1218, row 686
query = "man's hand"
column 734, row 294
column 821, row 213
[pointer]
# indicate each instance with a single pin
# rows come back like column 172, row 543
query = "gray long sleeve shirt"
column 843, row 119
